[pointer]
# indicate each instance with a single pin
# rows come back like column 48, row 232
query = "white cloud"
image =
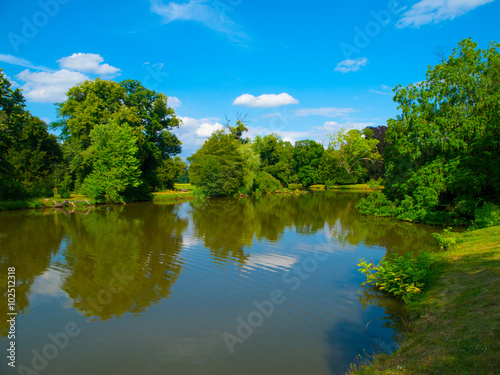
column 427, row 11
column 49, row 87
column 385, row 87
column 324, row 111
column 330, row 127
column 9, row 59
column 206, row 129
column 265, row 101
column 174, row 102
column 88, row 63
column 349, row 65
column 193, row 132
column 202, row 11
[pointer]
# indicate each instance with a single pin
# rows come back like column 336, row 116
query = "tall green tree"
column 443, row 157
column 29, row 155
column 349, row 155
column 276, row 156
column 306, row 160
column 146, row 112
column 115, row 166
column 217, row 167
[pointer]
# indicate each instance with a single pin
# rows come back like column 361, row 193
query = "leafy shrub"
column 446, row 240
column 400, row 276
column 266, row 183
column 375, row 184
column 486, row 216
column 376, row 204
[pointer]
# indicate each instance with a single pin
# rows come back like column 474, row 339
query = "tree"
column 306, row 160
column 275, row 156
column 115, row 166
column 217, row 167
column 169, row 171
column 443, row 156
column 350, row 154
column 29, row 155
column 146, row 112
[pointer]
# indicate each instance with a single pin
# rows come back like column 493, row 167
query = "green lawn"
column 455, row 325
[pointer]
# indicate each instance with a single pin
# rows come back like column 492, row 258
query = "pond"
column 263, row 285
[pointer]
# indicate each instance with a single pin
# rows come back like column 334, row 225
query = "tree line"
column 439, row 159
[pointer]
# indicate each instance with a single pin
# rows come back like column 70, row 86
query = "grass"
column 455, row 325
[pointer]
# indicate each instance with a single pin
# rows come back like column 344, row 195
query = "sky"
column 302, row 69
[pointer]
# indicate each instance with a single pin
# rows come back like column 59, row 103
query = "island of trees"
column 439, row 160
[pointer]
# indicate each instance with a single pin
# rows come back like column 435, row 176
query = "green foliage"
column 376, row 204
column 29, row 155
column 275, row 157
column 217, row 167
column 306, row 160
column 354, row 151
column 443, row 150
column 115, row 166
column 446, row 240
column 251, row 164
column 145, row 112
column 265, row 183
column 400, row 276
column 486, row 216
column 329, row 184
column 169, row 171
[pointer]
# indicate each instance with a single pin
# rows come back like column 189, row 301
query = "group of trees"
column 443, row 150
column 115, row 143
column 227, row 163
column 439, row 158
column 31, row 159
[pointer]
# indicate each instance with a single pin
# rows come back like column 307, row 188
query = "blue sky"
column 302, row 69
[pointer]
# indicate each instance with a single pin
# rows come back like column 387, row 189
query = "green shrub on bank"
column 266, row 183
column 376, row 204
column 486, row 216
column 446, row 240
column 400, row 276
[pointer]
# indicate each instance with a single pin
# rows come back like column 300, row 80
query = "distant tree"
column 251, row 164
column 351, row 153
column 169, row 171
column 217, row 167
column 275, row 156
column 238, row 130
column 306, row 160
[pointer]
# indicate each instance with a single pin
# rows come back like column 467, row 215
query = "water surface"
column 222, row 286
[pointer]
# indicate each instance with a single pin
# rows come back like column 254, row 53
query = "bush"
column 376, row 204
column 486, row 216
column 446, row 240
column 266, row 183
column 400, row 276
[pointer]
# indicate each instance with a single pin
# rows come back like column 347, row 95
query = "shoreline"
column 455, row 324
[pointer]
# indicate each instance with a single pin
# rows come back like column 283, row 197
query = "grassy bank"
column 455, row 325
